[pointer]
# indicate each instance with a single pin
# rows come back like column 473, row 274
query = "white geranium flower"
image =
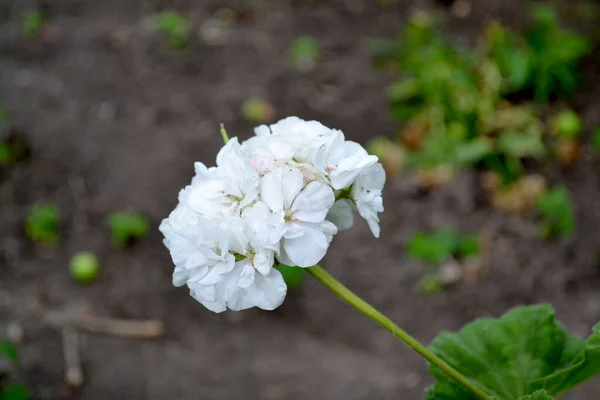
column 342, row 160
column 302, row 210
column 366, row 193
column 280, row 196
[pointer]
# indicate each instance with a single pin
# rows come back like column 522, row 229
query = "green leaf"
column 539, row 395
column 13, row 392
column 596, row 139
column 175, row 27
column 568, row 124
column 582, row 363
column 9, row 351
column 524, row 355
column 42, row 223
column 521, row 144
column 293, row 276
column 127, row 225
column 556, row 211
column 433, row 248
column 468, row 246
column 473, row 151
column 305, row 52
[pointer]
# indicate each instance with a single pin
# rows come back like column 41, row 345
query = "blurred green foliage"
column 556, row 212
column 42, row 223
column 453, row 103
column 437, row 247
column 305, row 53
column 596, row 139
column 175, row 27
column 126, row 226
column 33, row 22
column 10, row 390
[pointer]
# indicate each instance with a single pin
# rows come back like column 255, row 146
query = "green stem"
column 349, row 297
column 224, row 134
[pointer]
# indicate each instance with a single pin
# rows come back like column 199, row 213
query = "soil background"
column 115, row 121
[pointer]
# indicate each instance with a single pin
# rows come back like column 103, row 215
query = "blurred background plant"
column 484, row 109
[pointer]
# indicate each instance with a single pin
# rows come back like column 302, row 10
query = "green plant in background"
column 596, row 139
column 33, row 22
column 84, row 267
column 439, row 247
column 126, row 226
column 175, row 27
column 292, row 276
column 546, row 360
column 567, row 124
column 257, row 110
column 9, row 389
column 42, row 223
column 435, row 248
column 452, row 102
column 305, row 53
column 556, row 212
column 555, row 53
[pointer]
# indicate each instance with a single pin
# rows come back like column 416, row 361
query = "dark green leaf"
column 468, row 246
column 9, row 351
column 596, row 139
column 433, row 248
column 13, row 392
column 539, row 395
column 502, row 356
column 582, row 362
column 126, row 225
column 556, row 211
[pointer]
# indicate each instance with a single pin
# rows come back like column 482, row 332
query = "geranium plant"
column 281, row 196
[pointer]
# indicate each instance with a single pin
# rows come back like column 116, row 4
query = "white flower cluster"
column 280, row 195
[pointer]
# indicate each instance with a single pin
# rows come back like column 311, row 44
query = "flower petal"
column 308, row 249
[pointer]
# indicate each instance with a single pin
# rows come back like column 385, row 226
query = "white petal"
column 341, row 214
column 263, row 261
column 273, row 290
column 308, row 249
column 246, row 278
column 271, row 192
column 348, row 169
column 313, row 203
column 205, row 295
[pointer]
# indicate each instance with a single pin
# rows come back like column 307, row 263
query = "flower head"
column 278, row 197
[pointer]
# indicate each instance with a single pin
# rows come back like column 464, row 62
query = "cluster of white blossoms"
column 280, row 196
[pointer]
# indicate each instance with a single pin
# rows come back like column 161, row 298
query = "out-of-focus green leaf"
column 433, row 248
column 9, row 351
column 305, row 52
column 556, row 212
column 42, row 223
column 521, row 144
column 13, row 391
column 127, row 225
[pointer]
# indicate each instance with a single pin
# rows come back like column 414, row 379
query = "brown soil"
column 115, row 121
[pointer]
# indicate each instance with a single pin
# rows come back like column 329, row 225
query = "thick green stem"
column 349, row 297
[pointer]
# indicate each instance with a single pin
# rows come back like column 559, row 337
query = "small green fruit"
column 84, row 267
